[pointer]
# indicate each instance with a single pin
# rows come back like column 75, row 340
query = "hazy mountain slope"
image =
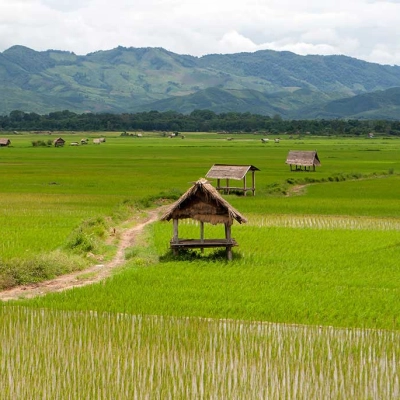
column 131, row 79
column 382, row 104
column 324, row 73
column 246, row 100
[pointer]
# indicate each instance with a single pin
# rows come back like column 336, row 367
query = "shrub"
column 87, row 236
column 41, row 143
column 80, row 242
column 44, row 266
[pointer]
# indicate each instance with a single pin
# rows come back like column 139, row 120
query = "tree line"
column 196, row 121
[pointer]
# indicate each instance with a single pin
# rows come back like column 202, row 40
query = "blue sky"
column 364, row 29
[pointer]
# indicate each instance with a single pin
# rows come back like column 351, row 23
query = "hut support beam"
column 175, row 237
column 253, row 182
column 228, row 238
column 244, row 185
column 202, row 234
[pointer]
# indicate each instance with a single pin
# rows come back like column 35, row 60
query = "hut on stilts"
column 235, row 172
column 302, row 159
column 203, row 203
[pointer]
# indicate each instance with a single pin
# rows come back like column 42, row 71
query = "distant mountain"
column 235, row 100
column 138, row 79
column 218, row 100
column 382, row 104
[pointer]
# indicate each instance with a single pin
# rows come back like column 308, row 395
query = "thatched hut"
column 235, row 172
column 4, row 142
column 203, row 203
column 59, row 142
column 302, row 159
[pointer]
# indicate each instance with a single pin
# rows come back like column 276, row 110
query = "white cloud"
column 65, row 5
column 364, row 29
column 233, row 42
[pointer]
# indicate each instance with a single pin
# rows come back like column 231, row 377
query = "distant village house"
column 59, row 142
column 4, row 142
column 99, row 140
column 302, row 160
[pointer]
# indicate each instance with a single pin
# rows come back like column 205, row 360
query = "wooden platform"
column 229, row 189
column 202, row 244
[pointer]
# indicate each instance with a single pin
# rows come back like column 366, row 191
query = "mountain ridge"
column 136, row 79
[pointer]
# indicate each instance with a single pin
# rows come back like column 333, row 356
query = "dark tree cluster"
column 197, row 121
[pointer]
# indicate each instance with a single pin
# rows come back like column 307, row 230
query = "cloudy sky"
column 365, row 29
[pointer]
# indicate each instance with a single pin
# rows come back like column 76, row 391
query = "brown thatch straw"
column 225, row 171
column 303, row 158
column 202, row 202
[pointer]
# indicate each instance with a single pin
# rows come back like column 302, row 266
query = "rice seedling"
column 326, row 222
column 51, row 354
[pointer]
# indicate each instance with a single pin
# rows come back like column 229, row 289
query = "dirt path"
column 90, row 275
column 296, row 190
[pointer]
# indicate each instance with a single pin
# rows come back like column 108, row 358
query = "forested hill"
column 140, row 79
column 164, row 123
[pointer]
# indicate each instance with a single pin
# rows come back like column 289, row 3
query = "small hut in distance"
column 302, row 159
column 234, row 172
column 203, row 203
column 59, row 142
column 4, row 142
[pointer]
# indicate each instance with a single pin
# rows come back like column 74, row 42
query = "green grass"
column 48, row 193
column 339, row 277
column 289, row 317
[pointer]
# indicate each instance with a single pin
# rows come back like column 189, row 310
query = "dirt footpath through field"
column 90, row 275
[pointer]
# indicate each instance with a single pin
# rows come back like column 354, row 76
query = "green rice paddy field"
column 308, row 308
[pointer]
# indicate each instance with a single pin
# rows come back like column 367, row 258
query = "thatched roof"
column 4, row 141
column 224, row 171
column 202, row 202
column 59, row 140
column 303, row 158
